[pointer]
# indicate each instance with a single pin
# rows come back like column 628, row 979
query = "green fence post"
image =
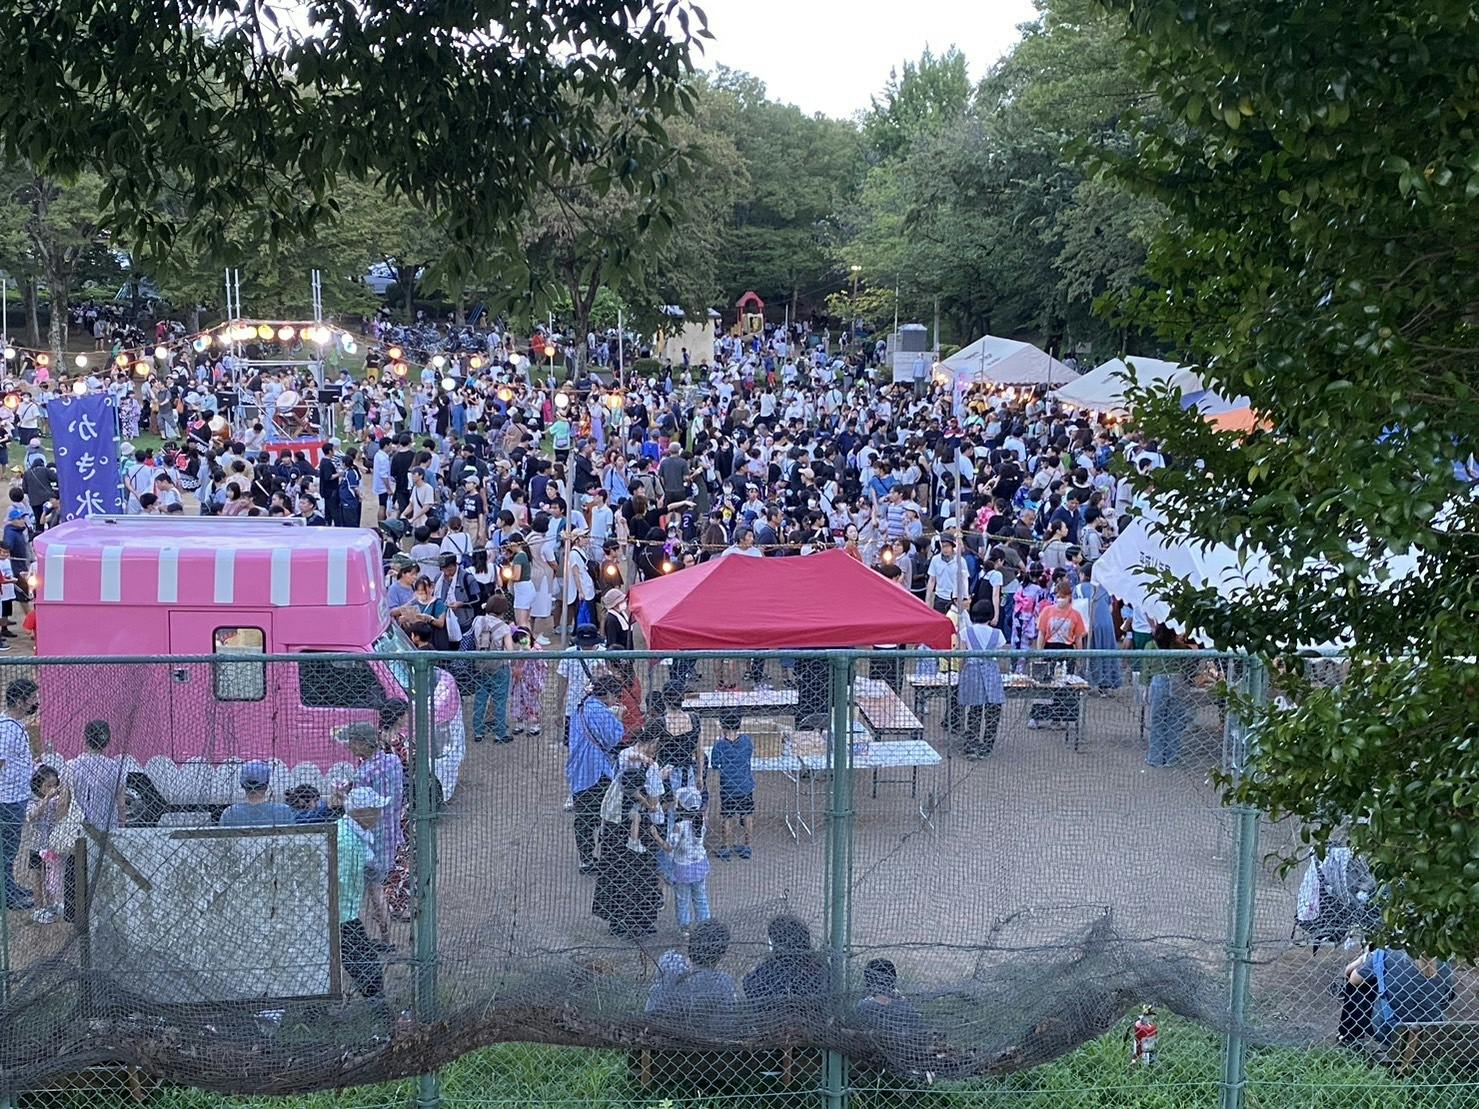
column 839, row 860
column 1244, row 893
column 5, row 1095
column 424, row 908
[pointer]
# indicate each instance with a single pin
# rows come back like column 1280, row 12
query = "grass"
column 1097, row 1076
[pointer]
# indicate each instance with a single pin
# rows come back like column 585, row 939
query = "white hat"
column 689, row 799
column 363, row 797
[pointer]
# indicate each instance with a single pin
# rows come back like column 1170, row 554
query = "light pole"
column 856, row 269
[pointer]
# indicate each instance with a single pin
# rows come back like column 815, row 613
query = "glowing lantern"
column 285, row 334
column 394, row 353
column 81, row 361
column 79, row 388
column 438, row 362
column 562, row 400
column 264, row 331
column 475, row 362
column 448, row 384
column 161, row 353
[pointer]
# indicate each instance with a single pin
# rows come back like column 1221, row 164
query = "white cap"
column 363, row 797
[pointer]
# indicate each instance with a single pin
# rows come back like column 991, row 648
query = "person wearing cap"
column 257, row 810
column 381, row 773
column 944, row 576
column 596, row 734
column 364, row 811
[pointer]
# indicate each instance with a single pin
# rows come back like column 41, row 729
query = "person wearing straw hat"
column 617, row 626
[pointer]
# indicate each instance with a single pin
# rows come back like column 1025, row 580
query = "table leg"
column 914, row 781
column 875, row 782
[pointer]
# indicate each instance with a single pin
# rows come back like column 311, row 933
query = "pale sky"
column 830, row 56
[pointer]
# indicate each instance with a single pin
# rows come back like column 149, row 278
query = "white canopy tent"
column 1006, row 362
column 1103, row 388
column 1128, row 568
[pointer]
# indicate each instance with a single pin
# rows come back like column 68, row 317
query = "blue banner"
column 83, row 432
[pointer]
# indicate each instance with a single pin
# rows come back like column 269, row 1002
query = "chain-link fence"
column 609, row 879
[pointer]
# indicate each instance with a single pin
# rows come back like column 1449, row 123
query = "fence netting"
column 869, row 869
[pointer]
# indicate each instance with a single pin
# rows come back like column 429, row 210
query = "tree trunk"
column 406, row 277
column 33, row 313
column 459, row 310
column 192, row 317
column 56, row 330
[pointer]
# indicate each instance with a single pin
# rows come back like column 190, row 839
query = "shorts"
column 384, row 500
column 523, row 595
column 736, row 804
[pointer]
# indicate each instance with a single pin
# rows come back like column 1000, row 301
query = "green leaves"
column 1323, row 259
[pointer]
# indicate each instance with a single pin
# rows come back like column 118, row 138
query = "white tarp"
column 1103, row 388
column 1006, row 362
column 1128, row 568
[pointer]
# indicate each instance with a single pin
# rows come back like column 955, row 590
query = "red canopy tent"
column 744, row 603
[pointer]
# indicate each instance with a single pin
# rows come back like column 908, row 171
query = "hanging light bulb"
column 667, row 566
column 264, row 331
column 508, row 573
column 43, row 360
column 161, row 353
column 448, row 384
column 10, row 354
column 438, row 362
column 612, row 570
column 121, row 361
column 285, row 334
column 12, row 401
column 81, row 361
column 394, row 354
column 141, row 368
column 475, row 362
column 562, row 400
column 79, row 388
column 505, row 394
column 400, row 369
column 888, row 556
column 201, row 344
column 549, row 350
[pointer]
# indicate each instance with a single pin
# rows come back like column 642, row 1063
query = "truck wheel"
column 144, row 804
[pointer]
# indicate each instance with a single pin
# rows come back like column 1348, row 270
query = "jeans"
column 1169, row 717
column 588, row 819
column 691, row 901
column 12, row 820
column 494, row 685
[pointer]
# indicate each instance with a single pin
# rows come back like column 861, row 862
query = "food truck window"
column 338, row 684
column 240, row 681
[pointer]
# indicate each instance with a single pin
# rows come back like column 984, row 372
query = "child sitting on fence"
column 732, row 757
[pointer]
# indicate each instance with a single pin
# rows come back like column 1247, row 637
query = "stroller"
column 1337, row 898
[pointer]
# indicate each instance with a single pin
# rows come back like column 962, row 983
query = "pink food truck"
column 238, row 590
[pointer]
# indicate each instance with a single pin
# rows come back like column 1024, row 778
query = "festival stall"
column 814, row 601
column 996, row 361
column 1103, row 388
column 742, row 603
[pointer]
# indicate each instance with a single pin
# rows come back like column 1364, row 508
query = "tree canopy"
column 1318, row 168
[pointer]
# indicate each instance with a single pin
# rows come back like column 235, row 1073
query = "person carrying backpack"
column 491, row 675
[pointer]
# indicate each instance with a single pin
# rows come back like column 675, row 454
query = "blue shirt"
column 595, row 734
column 731, row 759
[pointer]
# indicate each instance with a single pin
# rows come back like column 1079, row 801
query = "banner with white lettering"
column 82, row 431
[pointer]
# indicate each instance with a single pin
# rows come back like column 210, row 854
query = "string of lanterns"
column 222, row 335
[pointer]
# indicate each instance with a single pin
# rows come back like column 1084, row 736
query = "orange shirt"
column 1060, row 625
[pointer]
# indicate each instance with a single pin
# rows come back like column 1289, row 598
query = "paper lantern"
column 43, row 360
column 448, row 384
column 161, row 353
column 438, row 362
column 10, row 354
column 394, row 354
column 201, row 344
column 81, row 361
column 475, row 362
column 505, row 394
column 562, row 400
column 141, row 368
column 78, row 388
column 12, row 401
column 264, row 331
column 350, row 346
column 285, row 334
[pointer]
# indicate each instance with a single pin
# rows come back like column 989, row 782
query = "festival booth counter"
column 827, row 600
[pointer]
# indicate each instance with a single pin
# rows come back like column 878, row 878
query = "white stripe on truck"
column 225, row 592
column 338, row 576
column 282, row 576
column 169, row 576
column 51, row 585
column 110, row 587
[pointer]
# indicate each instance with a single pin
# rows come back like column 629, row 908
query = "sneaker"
column 587, row 868
column 721, row 853
column 533, row 729
column 569, row 805
column 478, row 737
column 1033, row 725
column 518, row 729
column 742, row 852
column 44, row 916
column 4, row 644
column 542, row 640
